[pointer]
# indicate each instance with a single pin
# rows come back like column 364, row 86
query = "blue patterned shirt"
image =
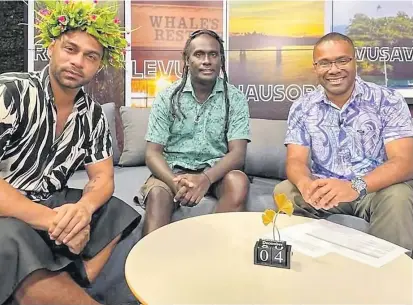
column 349, row 142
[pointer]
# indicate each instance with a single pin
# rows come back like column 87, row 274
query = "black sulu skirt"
column 24, row 250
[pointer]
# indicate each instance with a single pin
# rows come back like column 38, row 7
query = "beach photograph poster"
column 270, row 57
column 383, row 34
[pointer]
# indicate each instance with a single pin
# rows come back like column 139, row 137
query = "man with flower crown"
column 56, row 240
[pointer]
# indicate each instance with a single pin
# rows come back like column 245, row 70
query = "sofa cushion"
column 266, row 154
column 109, row 109
column 135, row 122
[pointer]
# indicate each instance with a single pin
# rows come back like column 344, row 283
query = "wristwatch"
column 360, row 186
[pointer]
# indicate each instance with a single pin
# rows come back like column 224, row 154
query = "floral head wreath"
column 58, row 17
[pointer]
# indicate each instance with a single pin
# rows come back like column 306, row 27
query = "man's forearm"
column 14, row 204
column 161, row 170
column 97, row 192
column 389, row 173
column 231, row 161
column 297, row 172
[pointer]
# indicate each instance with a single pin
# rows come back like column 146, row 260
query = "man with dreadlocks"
column 197, row 137
column 56, row 240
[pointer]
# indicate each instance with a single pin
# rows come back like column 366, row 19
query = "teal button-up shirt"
column 199, row 140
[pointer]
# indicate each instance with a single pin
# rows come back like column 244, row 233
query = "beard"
column 66, row 81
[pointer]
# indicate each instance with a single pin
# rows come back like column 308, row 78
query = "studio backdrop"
column 268, row 47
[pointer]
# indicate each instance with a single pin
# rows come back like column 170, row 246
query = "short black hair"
column 334, row 36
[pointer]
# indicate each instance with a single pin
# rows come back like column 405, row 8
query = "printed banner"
column 157, row 45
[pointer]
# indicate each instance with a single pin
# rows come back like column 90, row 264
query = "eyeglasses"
column 327, row 64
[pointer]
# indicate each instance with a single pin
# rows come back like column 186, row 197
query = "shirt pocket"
column 367, row 142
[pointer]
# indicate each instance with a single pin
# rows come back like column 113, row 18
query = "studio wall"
column 268, row 47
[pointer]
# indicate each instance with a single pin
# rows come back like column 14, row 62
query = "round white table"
column 210, row 260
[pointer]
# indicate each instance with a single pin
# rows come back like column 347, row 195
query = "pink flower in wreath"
column 44, row 12
column 62, row 19
column 93, row 17
column 116, row 20
column 67, row 1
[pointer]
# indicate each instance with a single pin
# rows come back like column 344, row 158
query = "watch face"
column 359, row 185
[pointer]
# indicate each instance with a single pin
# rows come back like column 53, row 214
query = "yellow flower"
column 284, row 205
column 268, row 216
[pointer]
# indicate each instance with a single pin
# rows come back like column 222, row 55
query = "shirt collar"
column 46, row 85
column 81, row 99
column 218, row 87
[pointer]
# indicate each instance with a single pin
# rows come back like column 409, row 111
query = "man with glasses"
column 359, row 135
column 197, row 137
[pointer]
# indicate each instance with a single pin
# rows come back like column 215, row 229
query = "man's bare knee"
column 23, row 292
column 159, row 199
column 236, row 184
column 233, row 192
column 33, row 290
column 159, row 205
column 159, row 209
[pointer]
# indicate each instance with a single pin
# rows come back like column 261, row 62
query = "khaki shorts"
column 153, row 182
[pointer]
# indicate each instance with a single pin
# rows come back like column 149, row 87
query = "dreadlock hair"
column 175, row 102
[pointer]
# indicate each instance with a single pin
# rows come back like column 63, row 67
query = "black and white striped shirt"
column 32, row 160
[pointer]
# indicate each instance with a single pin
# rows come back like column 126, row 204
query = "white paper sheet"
column 319, row 237
column 300, row 242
